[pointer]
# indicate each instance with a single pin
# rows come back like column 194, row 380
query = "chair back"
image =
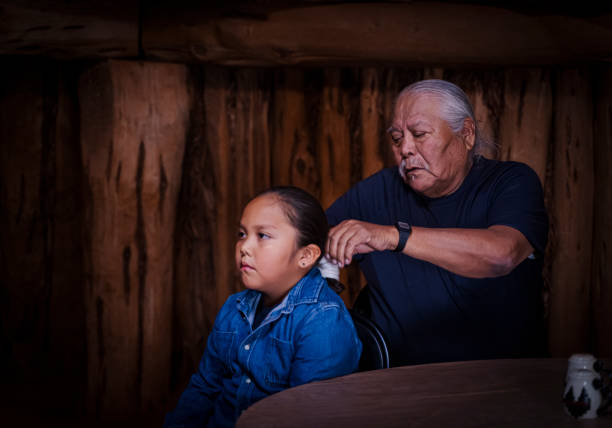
column 375, row 354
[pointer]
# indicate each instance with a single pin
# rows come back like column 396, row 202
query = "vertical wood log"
column 236, row 110
column 433, row 73
column 67, row 333
column 195, row 287
column 41, row 303
column 23, row 250
column 527, row 118
column 224, row 204
column 133, row 128
column 601, row 292
column 572, row 215
column 252, row 135
column 293, row 160
column 372, row 123
column 334, row 139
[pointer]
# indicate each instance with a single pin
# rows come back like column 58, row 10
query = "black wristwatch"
column 404, row 230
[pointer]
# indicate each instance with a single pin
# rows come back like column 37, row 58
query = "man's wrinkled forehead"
column 411, row 108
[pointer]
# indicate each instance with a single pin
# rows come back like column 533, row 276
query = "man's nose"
column 407, row 146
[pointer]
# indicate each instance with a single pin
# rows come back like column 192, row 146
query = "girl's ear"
column 309, row 256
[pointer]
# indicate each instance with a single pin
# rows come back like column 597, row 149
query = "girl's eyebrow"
column 261, row 226
column 266, row 226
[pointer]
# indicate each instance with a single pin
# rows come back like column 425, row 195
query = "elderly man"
column 450, row 242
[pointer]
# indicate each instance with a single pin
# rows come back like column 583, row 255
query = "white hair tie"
column 328, row 269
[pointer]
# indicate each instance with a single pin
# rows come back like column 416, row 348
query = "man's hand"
column 358, row 237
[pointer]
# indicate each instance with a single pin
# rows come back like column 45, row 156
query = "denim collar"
column 306, row 290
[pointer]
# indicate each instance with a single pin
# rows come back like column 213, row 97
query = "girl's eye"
column 241, row 234
column 263, row 235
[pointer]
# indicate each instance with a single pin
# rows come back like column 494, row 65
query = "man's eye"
column 396, row 139
column 417, row 134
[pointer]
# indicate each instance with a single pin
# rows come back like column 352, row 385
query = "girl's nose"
column 244, row 249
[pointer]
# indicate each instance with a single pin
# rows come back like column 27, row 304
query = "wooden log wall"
column 134, row 120
column 601, row 279
column 169, row 154
column 572, row 214
column 42, row 315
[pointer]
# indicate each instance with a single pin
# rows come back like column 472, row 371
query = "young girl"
column 288, row 328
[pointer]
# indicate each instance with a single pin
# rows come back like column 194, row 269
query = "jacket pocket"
column 224, row 343
column 279, row 355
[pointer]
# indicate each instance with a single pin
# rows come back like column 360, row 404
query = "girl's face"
column 266, row 252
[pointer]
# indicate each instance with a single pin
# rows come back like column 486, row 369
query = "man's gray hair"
column 455, row 107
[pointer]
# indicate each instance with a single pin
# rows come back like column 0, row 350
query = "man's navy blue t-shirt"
column 430, row 314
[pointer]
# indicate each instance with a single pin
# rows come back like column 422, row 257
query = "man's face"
column 432, row 160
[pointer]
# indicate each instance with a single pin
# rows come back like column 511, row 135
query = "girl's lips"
column 244, row 266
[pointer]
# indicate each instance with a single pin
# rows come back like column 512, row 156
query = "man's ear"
column 308, row 256
column 468, row 133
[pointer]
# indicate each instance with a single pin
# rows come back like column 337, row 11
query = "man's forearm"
column 474, row 253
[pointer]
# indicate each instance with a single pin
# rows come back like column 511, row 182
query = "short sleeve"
column 365, row 200
column 339, row 210
column 517, row 201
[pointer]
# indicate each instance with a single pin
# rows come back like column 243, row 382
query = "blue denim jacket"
column 309, row 336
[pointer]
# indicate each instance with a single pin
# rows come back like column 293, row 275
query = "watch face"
column 403, row 225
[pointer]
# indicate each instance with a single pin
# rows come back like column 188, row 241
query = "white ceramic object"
column 581, row 362
column 582, row 396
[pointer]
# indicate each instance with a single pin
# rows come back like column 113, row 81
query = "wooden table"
column 488, row 393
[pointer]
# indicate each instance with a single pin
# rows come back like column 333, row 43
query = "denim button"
column 248, row 380
column 247, row 347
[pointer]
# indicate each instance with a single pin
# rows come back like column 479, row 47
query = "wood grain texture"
column 195, row 287
column 334, row 138
column 60, row 29
column 133, row 128
column 293, row 148
column 601, row 284
column 526, row 122
column 237, row 133
column 25, row 284
column 512, row 392
column 415, row 33
column 572, row 214
column 40, row 247
column 372, row 124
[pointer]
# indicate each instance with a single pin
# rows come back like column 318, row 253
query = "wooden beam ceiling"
column 271, row 33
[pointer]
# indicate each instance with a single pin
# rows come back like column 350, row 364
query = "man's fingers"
column 347, row 239
column 343, row 235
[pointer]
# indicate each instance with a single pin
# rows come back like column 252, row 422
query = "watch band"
column 404, row 230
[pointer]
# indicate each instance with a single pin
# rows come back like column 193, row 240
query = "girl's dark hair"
column 304, row 213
